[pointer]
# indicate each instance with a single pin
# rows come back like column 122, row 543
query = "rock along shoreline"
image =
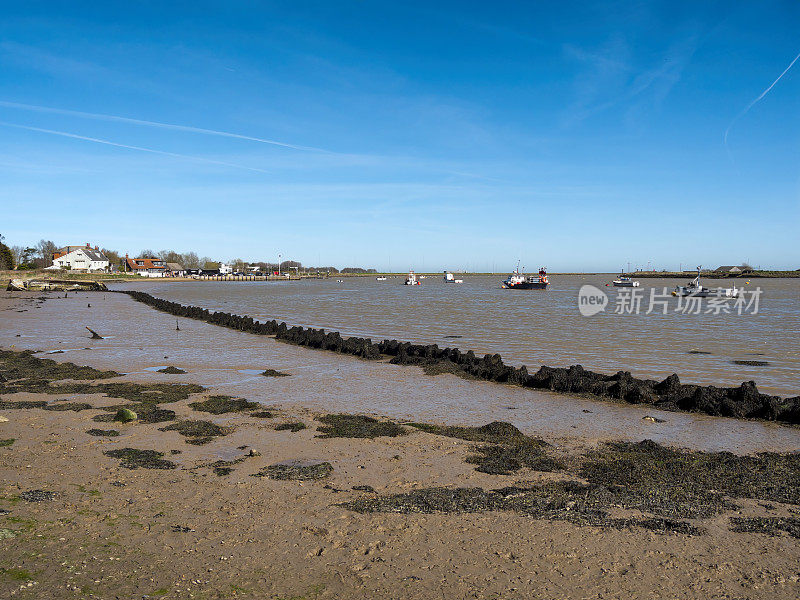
column 743, row 402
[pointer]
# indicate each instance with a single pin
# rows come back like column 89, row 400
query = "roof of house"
column 91, row 253
column 147, row 263
column 175, row 267
column 730, row 268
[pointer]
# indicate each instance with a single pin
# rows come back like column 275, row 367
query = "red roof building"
column 146, row 267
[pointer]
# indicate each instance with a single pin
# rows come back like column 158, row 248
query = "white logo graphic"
column 591, row 300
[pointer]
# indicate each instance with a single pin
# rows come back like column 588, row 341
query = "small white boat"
column 381, row 278
column 411, row 279
column 623, row 281
column 340, row 281
column 448, row 278
column 694, row 288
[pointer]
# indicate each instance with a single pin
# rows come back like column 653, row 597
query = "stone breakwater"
column 743, row 402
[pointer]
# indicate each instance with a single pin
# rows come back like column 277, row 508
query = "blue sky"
column 582, row 136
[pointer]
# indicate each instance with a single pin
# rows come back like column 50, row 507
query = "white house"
column 80, row 259
column 225, row 269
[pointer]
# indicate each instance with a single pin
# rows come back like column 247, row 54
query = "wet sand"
column 113, row 532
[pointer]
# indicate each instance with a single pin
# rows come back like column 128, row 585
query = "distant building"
column 732, row 269
column 175, row 270
column 80, row 258
column 145, row 267
column 225, row 269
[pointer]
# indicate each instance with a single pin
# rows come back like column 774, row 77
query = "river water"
column 539, row 327
column 138, row 340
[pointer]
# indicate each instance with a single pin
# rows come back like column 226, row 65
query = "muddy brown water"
column 139, row 338
column 537, row 327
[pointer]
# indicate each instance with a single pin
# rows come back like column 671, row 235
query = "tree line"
column 40, row 256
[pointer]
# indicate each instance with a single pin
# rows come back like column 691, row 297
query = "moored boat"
column 411, row 279
column 696, row 289
column 380, row 278
column 624, row 281
column 520, row 281
column 449, row 278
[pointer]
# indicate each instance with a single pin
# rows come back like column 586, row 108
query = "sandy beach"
column 259, row 493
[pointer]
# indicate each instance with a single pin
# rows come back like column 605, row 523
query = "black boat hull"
column 526, row 286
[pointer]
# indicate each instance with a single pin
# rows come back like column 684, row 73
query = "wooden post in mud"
column 95, row 335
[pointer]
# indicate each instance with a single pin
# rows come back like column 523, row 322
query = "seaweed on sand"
column 691, row 484
column 570, row 501
column 24, row 372
column 7, row 442
column 496, row 432
column 510, row 449
column 504, row 459
column 294, row 426
column 103, row 432
column 133, row 458
column 262, row 414
column 22, row 404
column 75, row 406
column 225, row 467
column 217, row 405
column 146, row 412
column 198, row 432
column 274, row 373
column 298, row 471
column 771, row 526
column 357, row 426
column 19, row 365
column 172, row 371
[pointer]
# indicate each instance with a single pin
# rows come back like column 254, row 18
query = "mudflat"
column 207, row 492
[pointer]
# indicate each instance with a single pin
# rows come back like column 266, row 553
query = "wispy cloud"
column 129, row 147
column 158, row 124
column 613, row 76
column 760, row 97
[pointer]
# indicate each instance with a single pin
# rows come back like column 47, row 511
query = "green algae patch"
column 294, row 427
column 7, row 442
column 198, row 432
column 217, row 405
column 496, row 431
column 125, row 415
column 103, row 432
column 274, row 373
column 15, row 575
column 771, row 526
column 134, row 458
column 297, row 471
column 357, row 426
column 172, row 371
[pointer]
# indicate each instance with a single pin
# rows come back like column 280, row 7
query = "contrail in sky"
column 139, row 148
column 764, row 93
column 102, row 117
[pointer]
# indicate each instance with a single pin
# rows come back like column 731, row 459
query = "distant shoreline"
column 42, row 274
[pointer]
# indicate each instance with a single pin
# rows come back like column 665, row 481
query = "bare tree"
column 147, row 254
column 46, row 249
column 16, row 252
column 189, row 260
